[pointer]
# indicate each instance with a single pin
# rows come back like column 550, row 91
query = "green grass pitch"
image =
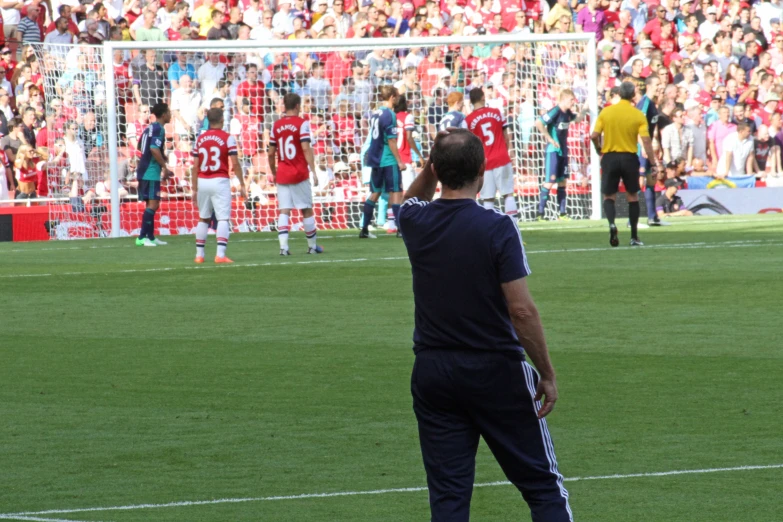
column 129, row 376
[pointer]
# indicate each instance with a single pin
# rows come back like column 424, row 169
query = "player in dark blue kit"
column 150, row 170
column 647, row 180
column 384, row 159
column 554, row 126
column 473, row 316
column 455, row 117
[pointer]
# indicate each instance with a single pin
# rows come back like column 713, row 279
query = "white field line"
column 190, row 503
column 38, row 519
column 674, row 246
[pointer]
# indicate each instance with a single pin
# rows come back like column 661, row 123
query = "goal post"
column 522, row 75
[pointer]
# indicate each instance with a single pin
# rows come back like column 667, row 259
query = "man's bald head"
column 458, row 158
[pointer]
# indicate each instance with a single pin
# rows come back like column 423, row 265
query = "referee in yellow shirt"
column 622, row 126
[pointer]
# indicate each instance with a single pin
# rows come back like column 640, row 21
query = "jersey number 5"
column 212, row 155
column 288, row 150
column 486, row 130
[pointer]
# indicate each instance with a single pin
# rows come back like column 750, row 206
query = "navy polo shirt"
column 460, row 254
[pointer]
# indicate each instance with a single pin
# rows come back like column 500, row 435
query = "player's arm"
column 237, row 168
column 307, row 150
column 272, row 156
column 542, row 129
column 527, row 324
column 194, row 170
column 647, row 146
column 413, row 145
column 581, row 115
column 157, row 154
column 391, row 132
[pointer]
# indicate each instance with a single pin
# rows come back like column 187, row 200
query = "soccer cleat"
column 199, row 260
column 636, row 242
column 159, row 242
column 221, row 260
column 654, row 222
column 540, row 218
column 564, row 217
column 284, row 252
column 145, row 242
column 399, row 234
column 613, row 239
column 139, row 241
column 317, row 250
column 365, row 234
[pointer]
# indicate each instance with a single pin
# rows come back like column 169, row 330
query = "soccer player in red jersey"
column 214, row 153
column 405, row 142
column 492, row 129
column 291, row 161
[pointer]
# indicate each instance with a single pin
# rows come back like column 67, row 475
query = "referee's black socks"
column 633, row 214
column 609, row 210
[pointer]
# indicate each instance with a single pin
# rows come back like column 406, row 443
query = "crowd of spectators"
column 713, row 68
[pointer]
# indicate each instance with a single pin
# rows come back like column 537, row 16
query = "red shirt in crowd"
column 337, row 69
column 255, row 93
column 508, row 11
column 249, row 137
column 428, row 75
column 345, row 125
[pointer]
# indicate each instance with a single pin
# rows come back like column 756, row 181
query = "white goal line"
column 418, row 489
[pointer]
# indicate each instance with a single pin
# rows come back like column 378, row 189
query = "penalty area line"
column 417, row 489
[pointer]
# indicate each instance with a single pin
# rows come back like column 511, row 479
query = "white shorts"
column 408, row 175
column 295, row 196
column 214, row 195
column 497, row 180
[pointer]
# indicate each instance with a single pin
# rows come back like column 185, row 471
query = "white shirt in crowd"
column 740, row 151
column 208, row 77
column 187, row 103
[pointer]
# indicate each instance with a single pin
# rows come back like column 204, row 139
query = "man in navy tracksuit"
column 473, row 317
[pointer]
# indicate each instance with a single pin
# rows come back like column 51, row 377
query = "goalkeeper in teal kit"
column 150, row 170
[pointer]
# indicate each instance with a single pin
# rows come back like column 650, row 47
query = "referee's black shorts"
column 616, row 166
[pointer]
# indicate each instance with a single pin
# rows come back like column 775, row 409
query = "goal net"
column 100, row 100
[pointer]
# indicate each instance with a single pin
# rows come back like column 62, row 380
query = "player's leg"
column 488, row 190
column 505, row 185
column 376, row 187
column 393, row 184
column 550, row 171
column 384, row 210
column 506, row 414
column 610, row 184
column 221, row 207
column 303, row 200
column 448, row 438
column 630, row 165
column 285, row 202
column 205, row 211
column 149, row 192
column 562, row 182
